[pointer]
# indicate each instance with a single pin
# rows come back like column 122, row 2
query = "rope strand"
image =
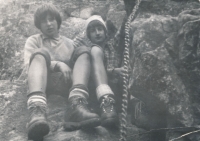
column 123, row 130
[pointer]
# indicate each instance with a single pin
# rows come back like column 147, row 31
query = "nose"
column 48, row 22
column 97, row 31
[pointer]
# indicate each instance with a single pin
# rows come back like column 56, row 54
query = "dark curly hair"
column 42, row 12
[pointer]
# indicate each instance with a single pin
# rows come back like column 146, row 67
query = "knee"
column 38, row 58
column 85, row 56
column 96, row 52
column 81, row 52
column 41, row 55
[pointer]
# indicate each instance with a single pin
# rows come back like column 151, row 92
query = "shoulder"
column 36, row 36
column 109, row 46
column 67, row 40
column 33, row 38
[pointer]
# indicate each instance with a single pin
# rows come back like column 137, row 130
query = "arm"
column 118, row 71
column 64, row 69
column 113, row 71
column 112, row 60
column 30, row 46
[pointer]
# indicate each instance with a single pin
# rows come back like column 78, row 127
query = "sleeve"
column 78, row 41
column 81, row 40
column 110, row 71
column 107, row 62
column 109, row 54
column 30, row 46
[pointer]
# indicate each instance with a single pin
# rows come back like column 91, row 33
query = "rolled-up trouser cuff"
column 36, row 93
column 44, row 53
column 79, row 90
column 103, row 90
column 79, row 51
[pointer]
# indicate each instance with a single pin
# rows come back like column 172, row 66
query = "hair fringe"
column 42, row 12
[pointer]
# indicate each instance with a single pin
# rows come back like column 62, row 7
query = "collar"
column 45, row 37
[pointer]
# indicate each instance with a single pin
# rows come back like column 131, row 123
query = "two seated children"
column 49, row 54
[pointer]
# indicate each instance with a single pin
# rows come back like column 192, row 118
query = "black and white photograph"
column 100, row 70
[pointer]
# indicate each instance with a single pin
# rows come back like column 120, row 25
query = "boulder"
column 86, row 13
column 116, row 17
column 165, row 66
column 72, row 26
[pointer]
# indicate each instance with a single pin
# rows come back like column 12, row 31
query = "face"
column 49, row 26
column 97, row 34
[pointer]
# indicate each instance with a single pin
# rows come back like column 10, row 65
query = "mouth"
column 98, row 38
column 50, row 29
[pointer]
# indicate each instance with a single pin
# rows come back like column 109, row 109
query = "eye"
column 92, row 29
column 43, row 21
column 51, row 19
column 100, row 28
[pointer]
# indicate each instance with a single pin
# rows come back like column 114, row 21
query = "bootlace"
column 107, row 104
column 37, row 109
column 79, row 102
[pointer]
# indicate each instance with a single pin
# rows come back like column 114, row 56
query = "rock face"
column 165, row 77
column 165, row 62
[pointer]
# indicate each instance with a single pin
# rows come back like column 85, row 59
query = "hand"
column 66, row 71
column 119, row 71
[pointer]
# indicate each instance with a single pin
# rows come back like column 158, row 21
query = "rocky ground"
column 164, row 59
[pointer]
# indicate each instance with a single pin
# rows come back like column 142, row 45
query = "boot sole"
column 37, row 130
column 90, row 123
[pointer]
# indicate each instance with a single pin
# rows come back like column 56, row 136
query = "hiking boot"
column 109, row 116
column 79, row 116
column 37, row 126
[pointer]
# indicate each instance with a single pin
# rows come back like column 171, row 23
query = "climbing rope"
column 123, row 129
